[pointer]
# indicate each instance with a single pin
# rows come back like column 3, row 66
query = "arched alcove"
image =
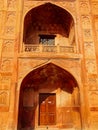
column 49, row 24
column 49, row 89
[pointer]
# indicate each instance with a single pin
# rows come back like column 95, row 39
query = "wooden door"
column 47, row 109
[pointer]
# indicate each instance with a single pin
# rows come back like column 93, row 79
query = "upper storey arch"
column 47, row 22
column 69, row 10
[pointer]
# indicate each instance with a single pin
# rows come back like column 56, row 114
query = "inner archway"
column 49, row 22
column 49, row 98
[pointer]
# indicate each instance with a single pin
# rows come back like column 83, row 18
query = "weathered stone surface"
column 51, row 47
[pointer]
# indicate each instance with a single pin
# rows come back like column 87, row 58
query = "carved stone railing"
column 49, row 48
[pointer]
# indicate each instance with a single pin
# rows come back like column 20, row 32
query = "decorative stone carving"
column 11, row 18
column 87, row 35
column 0, row 17
column 84, row 7
column 5, row 82
column 93, row 82
column 10, row 30
column 93, row 98
column 96, row 27
column 91, row 66
column 28, row 5
column 6, row 65
column 89, row 49
column 69, row 5
column 4, row 98
column 12, row 4
column 94, row 120
column 86, row 21
column 95, row 7
column 8, row 45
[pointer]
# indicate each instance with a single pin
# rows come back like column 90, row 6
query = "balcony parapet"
column 49, row 51
column 49, row 48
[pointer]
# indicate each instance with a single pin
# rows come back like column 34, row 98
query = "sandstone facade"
column 48, row 47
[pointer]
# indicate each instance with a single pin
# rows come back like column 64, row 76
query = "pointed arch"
column 53, row 81
column 46, row 19
column 49, row 67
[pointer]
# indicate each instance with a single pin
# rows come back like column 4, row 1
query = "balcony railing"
column 49, row 48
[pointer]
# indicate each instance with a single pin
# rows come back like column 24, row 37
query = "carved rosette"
column 9, row 31
column 84, row 7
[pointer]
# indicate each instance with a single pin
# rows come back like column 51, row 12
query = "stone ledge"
column 50, row 55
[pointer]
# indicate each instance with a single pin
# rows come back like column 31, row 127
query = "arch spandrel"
column 61, row 5
column 48, row 65
column 59, row 64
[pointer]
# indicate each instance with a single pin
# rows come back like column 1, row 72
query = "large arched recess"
column 53, row 90
column 49, row 19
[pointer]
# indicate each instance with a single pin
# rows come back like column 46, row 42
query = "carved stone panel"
column 89, row 49
column 94, row 120
column 9, row 31
column 5, row 82
column 12, row 4
column 93, row 82
column 69, row 5
column 84, row 7
column 86, row 23
column 93, row 98
column 91, row 66
column 11, row 18
column 4, row 98
column 96, row 28
column 8, row 48
column 95, row 7
column 6, row 65
column 87, row 34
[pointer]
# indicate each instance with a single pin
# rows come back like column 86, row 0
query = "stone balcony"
column 49, row 48
column 49, row 51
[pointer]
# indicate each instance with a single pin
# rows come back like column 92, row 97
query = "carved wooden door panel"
column 47, row 109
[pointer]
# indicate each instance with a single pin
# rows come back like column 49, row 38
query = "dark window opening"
column 47, row 39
